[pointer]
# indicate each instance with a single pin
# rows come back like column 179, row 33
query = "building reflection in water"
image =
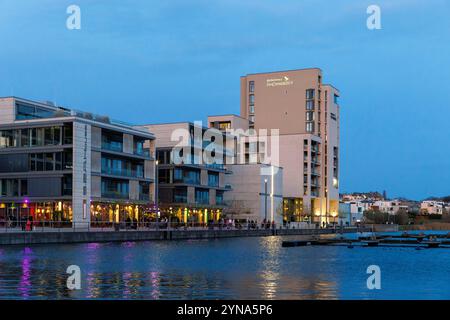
column 25, row 279
column 285, row 285
column 270, row 254
column 155, row 283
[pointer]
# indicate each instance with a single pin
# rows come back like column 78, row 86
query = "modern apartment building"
column 190, row 190
column 257, row 187
column 72, row 168
column 306, row 113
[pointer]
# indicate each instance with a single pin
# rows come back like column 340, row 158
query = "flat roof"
column 281, row 71
column 227, row 115
column 73, row 114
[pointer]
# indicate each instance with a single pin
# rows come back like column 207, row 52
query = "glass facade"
column 122, row 167
column 112, row 141
column 180, row 195
column 36, row 137
column 213, row 179
column 201, row 196
column 184, row 175
column 29, row 112
column 115, row 189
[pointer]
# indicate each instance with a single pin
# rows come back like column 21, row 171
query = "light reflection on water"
column 244, row 268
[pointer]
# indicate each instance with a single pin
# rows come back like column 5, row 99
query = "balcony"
column 315, row 149
column 123, row 172
column 315, row 184
column 112, row 146
column 114, row 195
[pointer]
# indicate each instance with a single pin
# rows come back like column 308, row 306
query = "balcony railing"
column 114, row 195
column 123, row 173
column 118, row 147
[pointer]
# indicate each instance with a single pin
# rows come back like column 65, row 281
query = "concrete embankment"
column 111, row 236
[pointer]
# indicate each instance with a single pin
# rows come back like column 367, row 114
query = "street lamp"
column 265, row 200
column 156, row 189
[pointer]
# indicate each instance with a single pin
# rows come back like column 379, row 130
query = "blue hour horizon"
column 181, row 61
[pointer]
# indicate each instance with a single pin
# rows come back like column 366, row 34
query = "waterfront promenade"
column 67, row 235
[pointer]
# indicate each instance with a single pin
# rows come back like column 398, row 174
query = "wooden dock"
column 404, row 240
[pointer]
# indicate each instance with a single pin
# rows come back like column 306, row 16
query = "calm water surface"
column 240, row 268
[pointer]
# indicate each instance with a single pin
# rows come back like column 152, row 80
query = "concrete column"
column 134, row 190
column 96, row 137
column 191, row 195
column 204, row 177
column 81, row 181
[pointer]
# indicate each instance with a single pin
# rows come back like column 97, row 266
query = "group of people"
column 26, row 223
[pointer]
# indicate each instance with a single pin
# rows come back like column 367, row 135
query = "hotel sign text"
column 283, row 81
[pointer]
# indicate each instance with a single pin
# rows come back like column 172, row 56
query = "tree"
column 446, row 215
column 376, row 216
column 401, row 217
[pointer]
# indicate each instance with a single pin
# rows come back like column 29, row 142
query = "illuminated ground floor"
column 59, row 213
column 191, row 214
column 41, row 213
column 314, row 210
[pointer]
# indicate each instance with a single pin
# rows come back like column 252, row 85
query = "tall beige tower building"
column 306, row 112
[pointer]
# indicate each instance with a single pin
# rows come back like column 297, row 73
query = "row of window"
column 120, row 189
column 310, row 117
column 186, row 175
column 251, row 103
column 20, row 187
column 29, row 112
column 113, row 141
column 201, row 196
column 35, row 137
column 48, row 161
column 122, row 167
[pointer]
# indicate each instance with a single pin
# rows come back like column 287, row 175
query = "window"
column 23, row 187
column 310, row 127
column 310, row 105
column 9, row 138
column 252, row 118
column 180, row 195
column 251, row 86
column 164, row 176
column 188, row 176
column 67, row 185
column 117, row 189
column 224, row 125
column 26, row 112
column 122, row 167
column 9, row 187
column 49, row 162
column 309, row 116
column 138, row 146
column 336, row 99
column 252, row 108
column 24, row 137
column 251, row 99
column 68, row 134
column 202, row 196
column 310, row 94
column 213, row 179
column 219, row 198
column 144, row 191
column 112, row 141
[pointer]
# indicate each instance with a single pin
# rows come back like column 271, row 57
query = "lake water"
column 236, row 268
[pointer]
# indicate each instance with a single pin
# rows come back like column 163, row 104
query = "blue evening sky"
column 173, row 60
